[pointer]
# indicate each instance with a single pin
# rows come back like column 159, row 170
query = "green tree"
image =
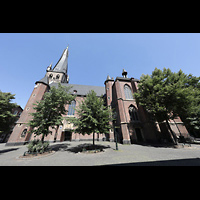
column 6, row 107
column 191, row 117
column 93, row 116
column 164, row 95
column 49, row 110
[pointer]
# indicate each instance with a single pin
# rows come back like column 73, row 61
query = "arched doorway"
column 133, row 113
column 67, row 136
column 139, row 135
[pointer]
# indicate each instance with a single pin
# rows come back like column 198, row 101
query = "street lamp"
column 115, row 127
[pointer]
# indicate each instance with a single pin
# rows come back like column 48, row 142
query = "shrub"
column 36, row 146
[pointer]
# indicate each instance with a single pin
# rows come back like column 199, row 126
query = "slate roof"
column 127, row 79
column 82, row 89
column 44, row 80
column 62, row 64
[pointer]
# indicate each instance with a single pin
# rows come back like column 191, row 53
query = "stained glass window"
column 71, row 109
column 128, row 93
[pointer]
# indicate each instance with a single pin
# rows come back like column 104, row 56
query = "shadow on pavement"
column 86, row 147
column 178, row 162
column 7, row 150
column 59, row 147
column 167, row 145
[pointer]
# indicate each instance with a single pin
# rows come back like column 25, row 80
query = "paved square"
column 132, row 155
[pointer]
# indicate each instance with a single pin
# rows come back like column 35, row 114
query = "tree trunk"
column 93, row 138
column 46, row 131
column 42, row 138
column 173, row 137
column 56, row 133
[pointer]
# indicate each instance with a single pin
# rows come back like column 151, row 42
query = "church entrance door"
column 139, row 135
column 68, row 136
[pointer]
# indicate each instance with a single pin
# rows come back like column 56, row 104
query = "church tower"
column 21, row 132
column 59, row 73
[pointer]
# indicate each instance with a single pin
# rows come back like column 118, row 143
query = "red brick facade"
column 129, row 130
column 21, row 130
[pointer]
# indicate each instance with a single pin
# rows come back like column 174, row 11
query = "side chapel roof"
column 82, row 90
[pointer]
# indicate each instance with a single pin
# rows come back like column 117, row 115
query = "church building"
column 132, row 124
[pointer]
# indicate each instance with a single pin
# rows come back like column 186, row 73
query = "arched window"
column 24, row 132
column 133, row 113
column 127, row 92
column 71, row 109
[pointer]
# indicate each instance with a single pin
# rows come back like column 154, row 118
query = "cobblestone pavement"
column 66, row 155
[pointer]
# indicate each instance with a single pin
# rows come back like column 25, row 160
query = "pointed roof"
column 62, row 64
column 108, row 78
column 44, row 80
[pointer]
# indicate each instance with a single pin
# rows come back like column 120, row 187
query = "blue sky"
column 24, row 57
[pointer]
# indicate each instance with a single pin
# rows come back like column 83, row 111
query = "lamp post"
column 115, row 127
column 116, row 138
